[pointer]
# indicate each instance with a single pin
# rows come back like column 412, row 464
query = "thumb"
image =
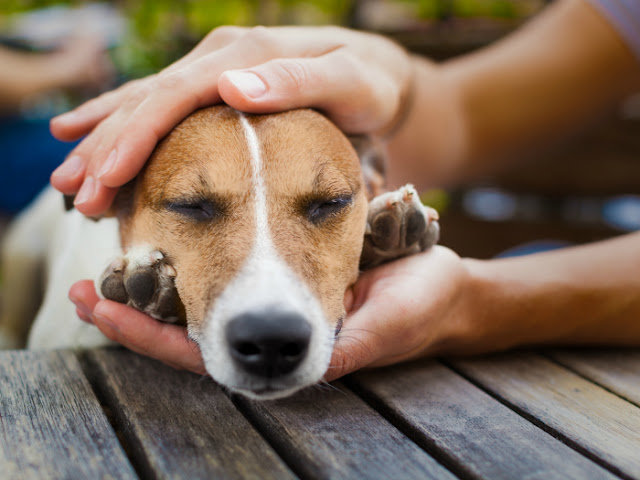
column 357, row 99
column 355, row 347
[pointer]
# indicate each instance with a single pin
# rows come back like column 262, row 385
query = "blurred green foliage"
column 163, row 30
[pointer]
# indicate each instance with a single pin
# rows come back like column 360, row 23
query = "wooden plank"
column 475, row 435
column 51, row 424
column 616, row 369
column 331, row 433
column 598, row 422
column 179, row 425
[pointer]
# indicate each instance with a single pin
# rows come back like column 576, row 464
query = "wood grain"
column 51, row 424
column 595, row 420
column 179, row 425
column 617, row 369
column 331, row 433
column 475, row 435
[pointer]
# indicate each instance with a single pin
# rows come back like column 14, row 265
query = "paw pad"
column 145, row 281
column 398, row 225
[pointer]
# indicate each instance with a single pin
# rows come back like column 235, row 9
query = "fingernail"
column 81, row 306
column 71, row 167
column 83, row 316
column 248, row 83
column 108, row 164
column 68, row 117
column 105, row 322
column 86, row 191
column 83, row 312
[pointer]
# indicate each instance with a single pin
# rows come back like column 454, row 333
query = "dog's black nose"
column 269, row 344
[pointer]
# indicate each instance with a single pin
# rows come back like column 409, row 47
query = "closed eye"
column 320, row 210
column 200, row 210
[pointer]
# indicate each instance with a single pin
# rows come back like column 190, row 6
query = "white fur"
column 71, row 248
column 264, row 283
column 80, row 247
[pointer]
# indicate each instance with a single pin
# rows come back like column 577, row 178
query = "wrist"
column 496, row 304
column 428, row 147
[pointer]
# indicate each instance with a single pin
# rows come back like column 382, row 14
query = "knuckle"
column 170, row 80
column 139, row 92
column 261, row 38
column 295, row 72
column 225, row 34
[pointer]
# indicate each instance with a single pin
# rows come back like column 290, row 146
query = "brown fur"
column 304, row 157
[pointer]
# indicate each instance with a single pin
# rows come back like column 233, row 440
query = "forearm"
column 23, row 75
column 587, row 295
column 565, row 69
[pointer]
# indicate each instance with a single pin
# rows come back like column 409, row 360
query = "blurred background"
column 56, row 54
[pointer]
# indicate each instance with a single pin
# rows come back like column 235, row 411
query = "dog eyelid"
column 200, row 210
column 320, row 210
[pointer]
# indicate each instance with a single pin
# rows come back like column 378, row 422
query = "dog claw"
column 145, row 281
column 398, row 225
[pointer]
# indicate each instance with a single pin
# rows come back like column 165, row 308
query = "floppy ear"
column 373, row 159
column 120, row 207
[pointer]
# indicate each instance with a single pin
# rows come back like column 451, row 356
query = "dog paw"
column 398, row 224
column 144, row 280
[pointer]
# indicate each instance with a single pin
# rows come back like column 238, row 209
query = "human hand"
column 405, row 309
column 137, row 331
column 358, row 80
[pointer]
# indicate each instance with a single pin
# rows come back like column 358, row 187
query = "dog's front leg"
column 144, row 280
column 398, row 225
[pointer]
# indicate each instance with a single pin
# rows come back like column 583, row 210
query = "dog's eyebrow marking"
column 333, row 180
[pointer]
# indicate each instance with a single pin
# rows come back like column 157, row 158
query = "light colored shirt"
column 624, row 15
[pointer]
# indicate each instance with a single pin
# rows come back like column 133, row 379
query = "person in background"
column 443, row 123
column 29, row 154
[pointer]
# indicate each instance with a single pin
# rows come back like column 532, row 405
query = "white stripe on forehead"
column 263, row 239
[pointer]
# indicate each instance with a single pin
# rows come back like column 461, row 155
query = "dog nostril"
column 291, row 350
column 269, row 344
column 247, row 349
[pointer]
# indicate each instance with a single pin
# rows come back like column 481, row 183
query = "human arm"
column 79, row 63
column 556, row 75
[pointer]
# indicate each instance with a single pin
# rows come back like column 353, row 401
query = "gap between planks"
column 498, row 375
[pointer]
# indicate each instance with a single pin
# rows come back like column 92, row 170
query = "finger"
column 175, row 96
column 68, row 177
column 83, row 295
column 83, row 316
column 81, row 120
column 358, row 345
column 72, row 125
column 93, row 198
column 141, row 333
column 356, row 98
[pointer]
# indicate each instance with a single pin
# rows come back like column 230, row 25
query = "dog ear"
column 120, row 207
column 373, row 160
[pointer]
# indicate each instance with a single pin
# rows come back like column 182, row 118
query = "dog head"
column 262, row 218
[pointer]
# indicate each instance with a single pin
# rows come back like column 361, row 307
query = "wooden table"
column 115, row 415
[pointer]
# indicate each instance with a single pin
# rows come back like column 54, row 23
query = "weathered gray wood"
column 51, row 424
column 617, row 369
column 596, row 420
column 472, row 431
column 331, row 433
column 180, row 425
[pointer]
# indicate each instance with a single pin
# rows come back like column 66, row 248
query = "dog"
column 248, row 229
